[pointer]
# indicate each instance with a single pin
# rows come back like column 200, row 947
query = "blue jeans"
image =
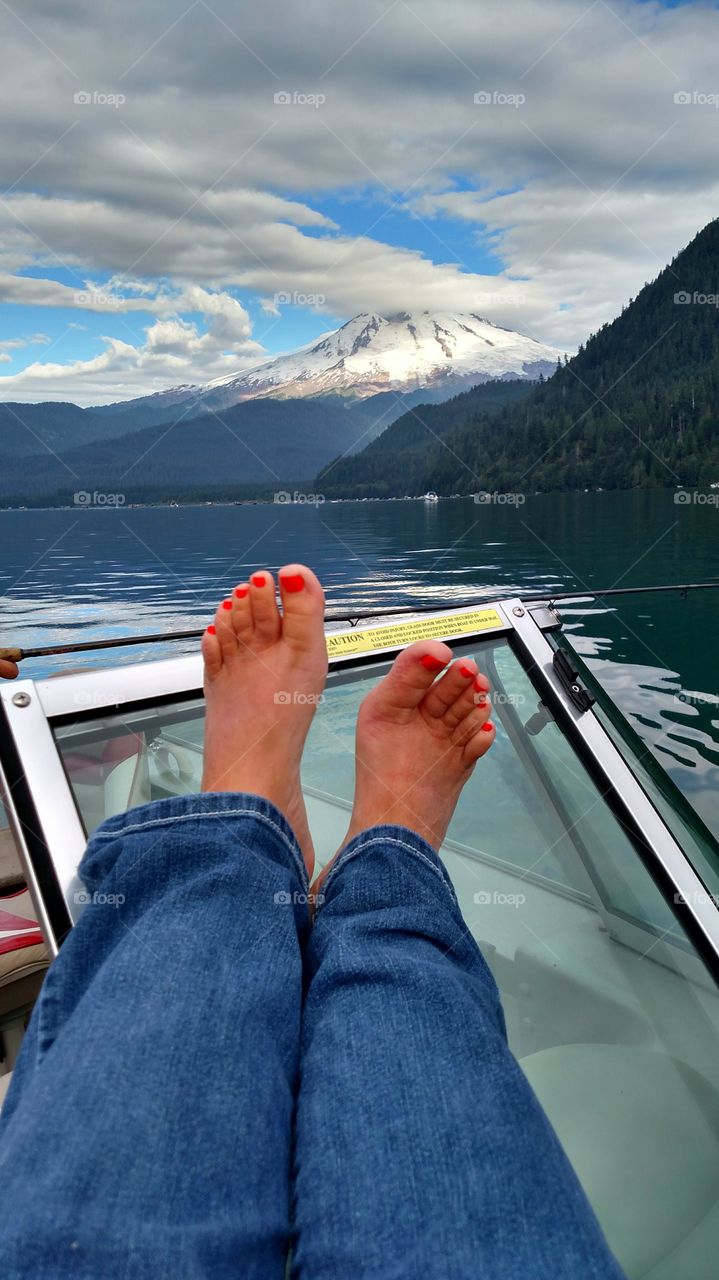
column 208, row 1080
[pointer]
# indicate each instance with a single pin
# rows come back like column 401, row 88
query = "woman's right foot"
column 264, row 676
column 418, row 740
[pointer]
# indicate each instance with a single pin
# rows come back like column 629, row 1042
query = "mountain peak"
column 403, row 352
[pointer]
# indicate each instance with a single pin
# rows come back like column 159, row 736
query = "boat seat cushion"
column 11, row 872
column 23, row 952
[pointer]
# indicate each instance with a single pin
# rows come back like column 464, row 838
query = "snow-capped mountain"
column 371, row 354
column 440, row 353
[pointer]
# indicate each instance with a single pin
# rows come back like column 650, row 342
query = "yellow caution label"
column 398, row 635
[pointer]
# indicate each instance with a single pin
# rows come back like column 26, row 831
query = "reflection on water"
column 79, row 574
column 678, row 725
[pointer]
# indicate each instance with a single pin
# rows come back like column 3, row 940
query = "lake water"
column 70, row 575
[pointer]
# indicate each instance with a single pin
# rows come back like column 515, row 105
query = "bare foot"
column 418, row 740
column 264, row 676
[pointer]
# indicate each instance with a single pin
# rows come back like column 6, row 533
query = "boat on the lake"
column 587, row 878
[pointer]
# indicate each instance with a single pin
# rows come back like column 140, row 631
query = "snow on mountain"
column 371, row 354
column 443, row 353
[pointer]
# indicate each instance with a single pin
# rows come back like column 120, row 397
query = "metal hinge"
column 546, row 618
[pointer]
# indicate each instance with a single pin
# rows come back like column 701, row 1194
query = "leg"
column 147, row 1131
column 421, row 1150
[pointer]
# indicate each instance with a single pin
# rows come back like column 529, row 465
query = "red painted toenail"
column 241, row 592
column 488, row 727
column 226, row 604
column 211, row 630
column 257, row 580
column 293, row 582
column 479, row 687
column 467, row 672
column 432, row 664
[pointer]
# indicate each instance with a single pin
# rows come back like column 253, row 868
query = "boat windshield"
column 681, row 804
column 610, row 1009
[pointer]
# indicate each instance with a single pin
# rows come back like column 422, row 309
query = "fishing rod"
column 550, row 597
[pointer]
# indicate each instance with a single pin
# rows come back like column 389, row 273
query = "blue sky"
column 165, row 219
column 73, row 337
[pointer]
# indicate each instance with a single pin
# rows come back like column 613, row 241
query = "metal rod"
column 621, row 591
column 90, row 646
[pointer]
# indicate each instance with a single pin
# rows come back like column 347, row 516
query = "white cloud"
column 32, row 339
column 200, row 184
column 175, row 352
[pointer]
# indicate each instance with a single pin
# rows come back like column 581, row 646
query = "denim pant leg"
column 421, row 1150
column 147, row 1130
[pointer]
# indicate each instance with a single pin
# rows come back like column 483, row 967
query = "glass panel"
column 116, row 761
column 681, row 802
column 611, row 1012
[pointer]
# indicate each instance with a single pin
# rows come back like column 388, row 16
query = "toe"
column 265, row 614
column 457, row 684
column 242, row 614
column 211, row 652
column 303, row 607
column 479, row 744
column 412, row 675
column 474, row 695
column 226, row 637
column 475, row 736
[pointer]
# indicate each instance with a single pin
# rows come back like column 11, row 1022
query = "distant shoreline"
column 318, row 500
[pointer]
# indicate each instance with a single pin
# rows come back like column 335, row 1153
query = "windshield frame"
column 52, row 838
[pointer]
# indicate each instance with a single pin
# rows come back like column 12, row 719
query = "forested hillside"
column 638, row 406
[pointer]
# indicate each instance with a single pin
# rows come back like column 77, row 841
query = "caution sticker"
column 398, row 635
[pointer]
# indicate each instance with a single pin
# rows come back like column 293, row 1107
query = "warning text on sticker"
column 398, row 635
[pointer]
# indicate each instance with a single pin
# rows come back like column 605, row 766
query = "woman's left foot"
column 264, row 676
column 418, row 741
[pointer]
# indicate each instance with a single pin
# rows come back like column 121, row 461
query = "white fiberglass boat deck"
column 586, row 878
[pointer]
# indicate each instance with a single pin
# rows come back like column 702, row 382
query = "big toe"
column 303, row 607
column 413, row 673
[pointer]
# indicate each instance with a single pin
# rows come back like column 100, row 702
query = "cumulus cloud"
column 16, row 344
column 31, row 340
column 176, row 351
column 188, row 156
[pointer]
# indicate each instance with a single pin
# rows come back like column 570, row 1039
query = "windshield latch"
column 568, row 676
